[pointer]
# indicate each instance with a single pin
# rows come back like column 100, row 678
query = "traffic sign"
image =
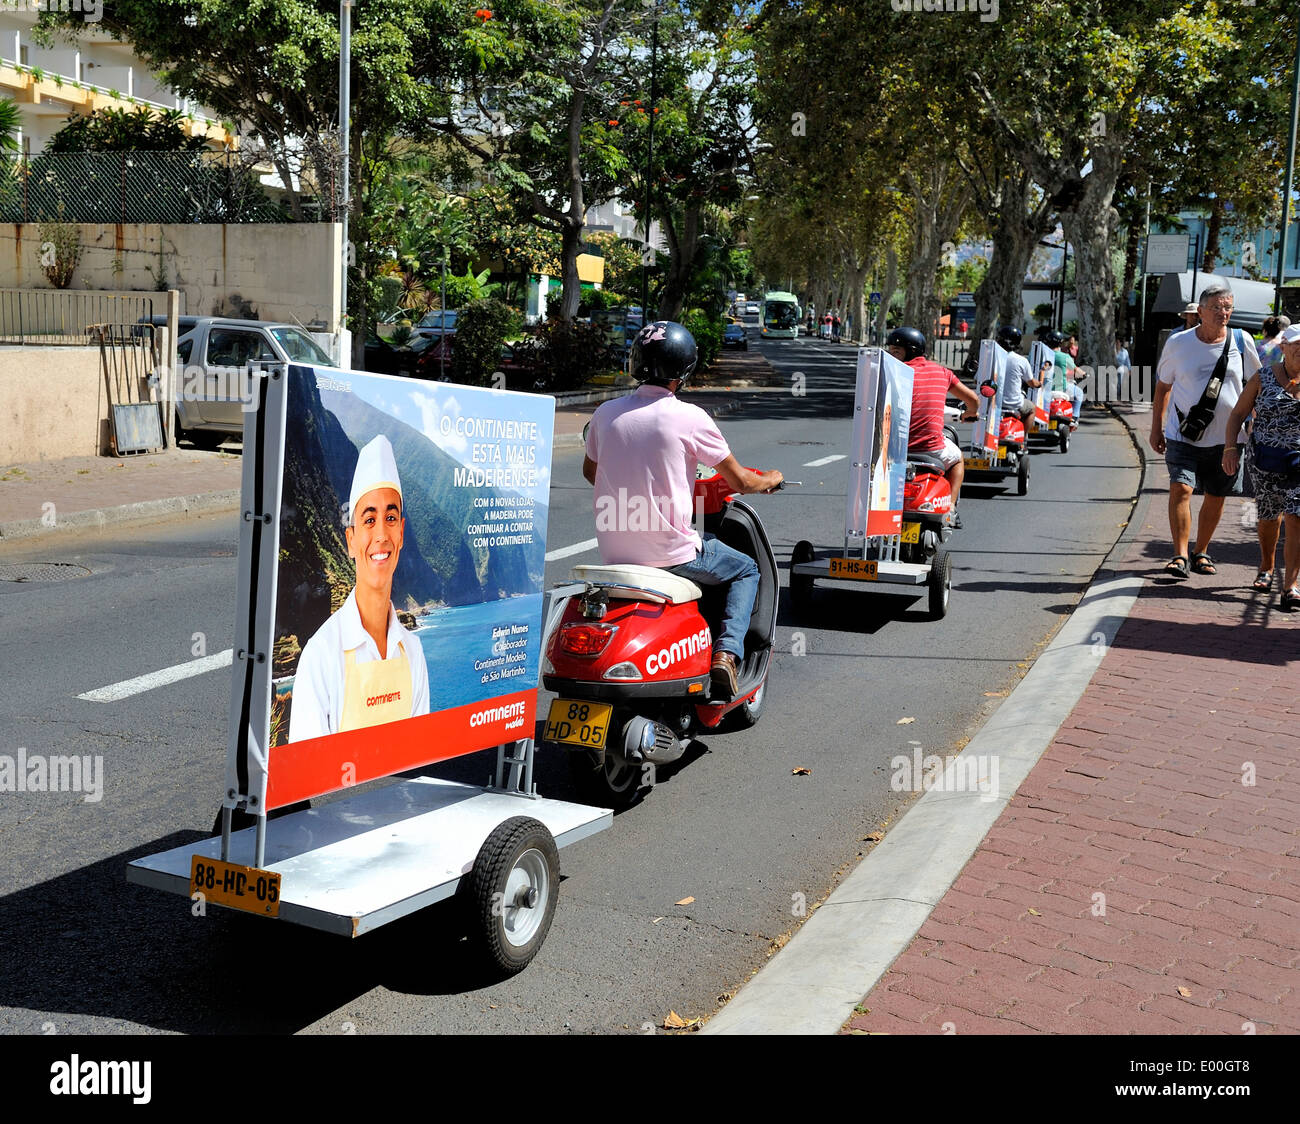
column 875, row 298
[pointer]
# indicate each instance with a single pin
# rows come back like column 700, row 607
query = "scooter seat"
column 639, row 583
column 926, row 462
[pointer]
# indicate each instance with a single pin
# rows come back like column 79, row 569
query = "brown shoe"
column 722, row 675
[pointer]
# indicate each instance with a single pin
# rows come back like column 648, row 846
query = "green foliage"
column 464, row 290
column 388, row 295
column 567, row 353
column 707, row 330
column 481, row 328
column 10, row 122
column 60, row 251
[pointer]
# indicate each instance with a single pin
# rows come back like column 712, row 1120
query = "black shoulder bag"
column 1196, row 421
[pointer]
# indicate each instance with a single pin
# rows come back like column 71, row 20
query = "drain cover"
column 41, row 571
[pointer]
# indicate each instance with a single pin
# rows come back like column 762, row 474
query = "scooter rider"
column 642, row 452
column 1018, row 376
column 1063, row 375
column 931, row 385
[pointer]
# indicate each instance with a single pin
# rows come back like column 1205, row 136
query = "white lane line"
column 825, row 460
column 141, row 683
column 576, row 548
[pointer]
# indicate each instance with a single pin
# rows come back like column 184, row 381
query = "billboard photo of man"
column 362, row 668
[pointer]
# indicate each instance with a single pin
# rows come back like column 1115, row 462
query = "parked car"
column 734, row 335
column 436, row 323
column 214, row 354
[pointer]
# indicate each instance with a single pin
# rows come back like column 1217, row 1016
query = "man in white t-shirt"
column 1186, row 365
column 1018, row 376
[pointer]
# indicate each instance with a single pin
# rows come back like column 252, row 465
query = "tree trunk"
column 1020, row 223
column 1090, row 227
column 1132, row 245
column 682, row 246
column 940, row 204
column 887, row 293
column 1212, row 236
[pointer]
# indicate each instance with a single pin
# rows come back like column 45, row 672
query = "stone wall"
column 52, row 403
column 282, row 271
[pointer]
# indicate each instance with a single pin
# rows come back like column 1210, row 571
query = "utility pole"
column 1286, row 187
column 345, row 113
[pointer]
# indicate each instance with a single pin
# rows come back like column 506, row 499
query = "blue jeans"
column 1075, row 392
column 719, row 564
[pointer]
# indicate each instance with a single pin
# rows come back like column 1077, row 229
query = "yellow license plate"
column 1052, row 424
column 235, row 886
column 911, row 532
column 1002, row 452
column 857, row 569
column 578, row 723
column 977, row 463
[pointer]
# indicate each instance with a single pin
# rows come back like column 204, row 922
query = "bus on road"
column 779, row 316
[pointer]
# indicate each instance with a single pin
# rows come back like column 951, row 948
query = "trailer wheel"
column 1022, row 476
column 801, row 585
column 515, row 884
column 1063, row 435
column 939, row 583
column 616, row 784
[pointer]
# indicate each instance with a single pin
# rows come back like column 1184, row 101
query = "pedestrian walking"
column 1274, row 452
column 835, row 326
column 1191, row 315
column 1200, row 377
column 964, row 328
column 1123, row 365
column 1269, row 346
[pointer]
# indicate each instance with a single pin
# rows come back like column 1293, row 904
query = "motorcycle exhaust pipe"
column 646, row 740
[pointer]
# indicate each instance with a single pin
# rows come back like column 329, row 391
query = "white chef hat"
column 376, row 468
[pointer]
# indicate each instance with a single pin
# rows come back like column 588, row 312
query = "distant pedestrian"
column 1191, row 315
column 1193, row 435
column 1123, row 365
column 1274, row 396
column 963, row 327
column 835, row 326
column 1269, row 347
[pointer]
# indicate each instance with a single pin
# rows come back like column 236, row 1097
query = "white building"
column 50, row 84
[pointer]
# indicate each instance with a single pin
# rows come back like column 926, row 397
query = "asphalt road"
column 731, row 826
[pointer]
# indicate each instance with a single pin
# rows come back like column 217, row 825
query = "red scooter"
column 630, row 659
column 1060, row 418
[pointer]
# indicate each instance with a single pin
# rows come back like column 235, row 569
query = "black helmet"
column 1054, row 338
column 1009, row 336
column 911, row 340
column 661, row 352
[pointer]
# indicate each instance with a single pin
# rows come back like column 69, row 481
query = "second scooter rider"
column 642, row 452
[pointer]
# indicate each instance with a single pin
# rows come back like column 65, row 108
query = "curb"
column 813, row 984
column 200, row 504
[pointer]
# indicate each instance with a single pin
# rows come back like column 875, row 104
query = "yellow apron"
column 375, row 692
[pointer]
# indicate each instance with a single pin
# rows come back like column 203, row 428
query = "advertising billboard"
column 992, row 371
column 404, row 567
column 882, row 408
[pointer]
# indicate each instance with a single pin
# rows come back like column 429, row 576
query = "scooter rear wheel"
column 1063, row 434
column 747, row 713
column 1022, row 476
column 615, row 784
column 939, row 583
column 801, row 585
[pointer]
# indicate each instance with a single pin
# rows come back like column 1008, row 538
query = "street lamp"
column 1286, row 188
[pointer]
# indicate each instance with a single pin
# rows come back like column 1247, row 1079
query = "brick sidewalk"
column 1137, row 882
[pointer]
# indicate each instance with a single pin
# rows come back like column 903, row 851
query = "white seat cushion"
column 633, row 582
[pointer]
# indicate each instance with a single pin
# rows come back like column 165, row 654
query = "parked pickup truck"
column 213, row 357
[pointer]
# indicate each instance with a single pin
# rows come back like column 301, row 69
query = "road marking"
column 566, row 551
column 142, row 683
column 824, row 460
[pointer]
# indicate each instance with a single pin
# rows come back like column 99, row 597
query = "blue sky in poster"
column 446, row 413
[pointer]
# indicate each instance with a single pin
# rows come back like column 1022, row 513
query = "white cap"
column 1289, row 335
column 376, row 468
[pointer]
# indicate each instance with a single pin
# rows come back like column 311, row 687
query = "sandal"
column 1177, row 568
column 1202, row 563
column 1291, row 598
column 1263, row 581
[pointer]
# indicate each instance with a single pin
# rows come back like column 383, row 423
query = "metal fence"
column 65, row 316
column 948, row 351
column 113, row 187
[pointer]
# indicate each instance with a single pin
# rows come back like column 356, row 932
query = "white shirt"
column 1014, row 382
column 1186, row 365
column 318, row 685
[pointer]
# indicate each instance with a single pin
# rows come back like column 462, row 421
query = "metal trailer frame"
column 368, row 858
column 884, row 550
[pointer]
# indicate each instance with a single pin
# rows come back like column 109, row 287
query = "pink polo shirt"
column 646, row 446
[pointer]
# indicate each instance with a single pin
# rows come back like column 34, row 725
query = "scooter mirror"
column 989, row 390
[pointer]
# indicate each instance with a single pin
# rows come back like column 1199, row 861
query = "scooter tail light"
column 623, row 670
column 586, row 639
